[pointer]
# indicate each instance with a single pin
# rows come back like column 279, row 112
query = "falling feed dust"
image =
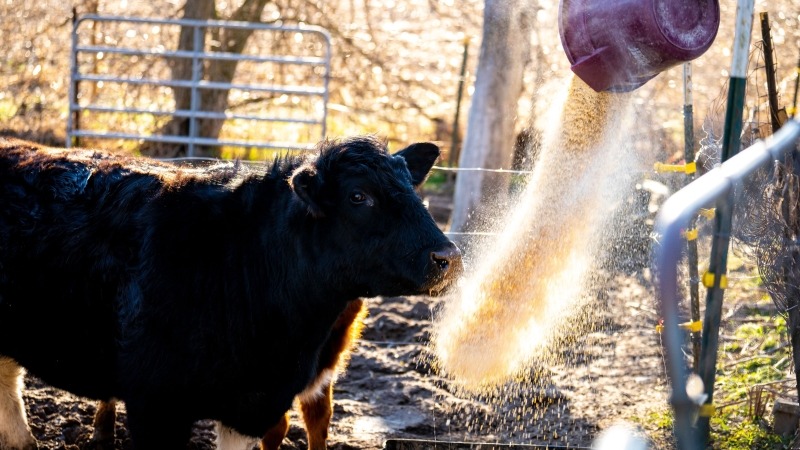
column 535, row 270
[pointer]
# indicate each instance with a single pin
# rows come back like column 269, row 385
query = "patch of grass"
column 735, row 433
column 732, row 347
column 749, row 330
column 780, row 325
column 661, row 419
column 770, row 343
column 658, row 425
column 759, row 360
column 753, row 280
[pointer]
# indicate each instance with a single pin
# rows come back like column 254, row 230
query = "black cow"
column 199, row 293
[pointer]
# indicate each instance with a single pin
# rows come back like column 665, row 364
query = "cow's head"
column 381, row 238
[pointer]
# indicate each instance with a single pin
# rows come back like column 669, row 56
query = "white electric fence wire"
column 442, row 168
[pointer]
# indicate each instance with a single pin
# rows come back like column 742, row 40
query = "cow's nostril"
column 441, row 263
column 444, row 258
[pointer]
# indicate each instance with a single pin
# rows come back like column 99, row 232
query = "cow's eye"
column 358, row 198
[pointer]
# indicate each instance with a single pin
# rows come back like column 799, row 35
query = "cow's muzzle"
column 445, row 266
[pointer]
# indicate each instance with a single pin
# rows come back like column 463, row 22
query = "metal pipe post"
column 73, row 118
column 197, row 49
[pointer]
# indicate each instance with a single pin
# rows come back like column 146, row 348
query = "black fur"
column 202, row 293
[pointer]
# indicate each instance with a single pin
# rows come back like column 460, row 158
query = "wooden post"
column 769, row 62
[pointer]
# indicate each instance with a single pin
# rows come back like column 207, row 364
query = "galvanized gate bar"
column 298, row 60
column 673, row 217
column 199, row 114
column 194, row 140
column 201, row 84
column 195, row 84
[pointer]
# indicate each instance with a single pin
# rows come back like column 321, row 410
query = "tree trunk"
column 210, row 100
column 489, row 141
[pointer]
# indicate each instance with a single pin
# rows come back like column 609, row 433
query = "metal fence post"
column 197, row 47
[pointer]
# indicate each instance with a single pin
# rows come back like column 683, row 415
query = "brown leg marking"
column 317, row 413
column 104, row 424
column 316, row 402
column 272, row 440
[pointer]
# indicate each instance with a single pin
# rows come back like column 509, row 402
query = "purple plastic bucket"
column 618, row 45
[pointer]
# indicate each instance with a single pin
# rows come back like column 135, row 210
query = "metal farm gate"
column 122, row 86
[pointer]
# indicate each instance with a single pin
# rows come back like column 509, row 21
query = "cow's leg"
column 273, row 438
column 229, row 439
column 317, row 411
column 316, row 402
column 15, row 434
column 104, row 423
column 157, row 425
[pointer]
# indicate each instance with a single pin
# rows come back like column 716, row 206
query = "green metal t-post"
column 715, row 279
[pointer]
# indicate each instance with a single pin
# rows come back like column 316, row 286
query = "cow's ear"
column 307, row 184
column 419, row 159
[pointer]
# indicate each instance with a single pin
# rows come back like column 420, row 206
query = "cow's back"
column 55, row 274
column 99, row 253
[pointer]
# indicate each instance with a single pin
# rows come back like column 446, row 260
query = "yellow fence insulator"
column 707, row 410
column 688, row 168
column 694, row 327
column 708, row 213
column 709, row 279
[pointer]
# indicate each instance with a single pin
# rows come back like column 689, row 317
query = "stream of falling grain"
column 532, row 275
